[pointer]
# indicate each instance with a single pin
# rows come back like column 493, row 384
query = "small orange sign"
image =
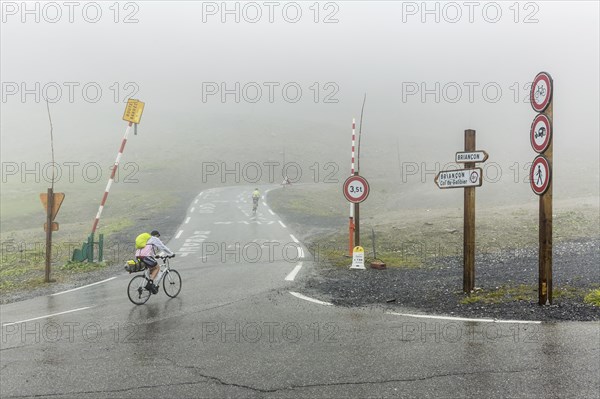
column 54, row 226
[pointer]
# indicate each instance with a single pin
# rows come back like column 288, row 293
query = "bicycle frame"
column 164, row 268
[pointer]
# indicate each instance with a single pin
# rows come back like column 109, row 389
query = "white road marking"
column 195, row 201
column 46, row 316
column 265, row 204
column 300, row 253
column 192, row 210
column 271, row 212
column 463, row 318
column 306, row 298
column 223, row 222
column 281, row 223
column 179, row 234
column 292, row 275
column 187, row 220
column 193, row 243
column 295, row 239
column 85, row 286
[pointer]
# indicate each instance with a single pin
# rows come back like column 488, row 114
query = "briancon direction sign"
column 473, row 156
column 459, row 178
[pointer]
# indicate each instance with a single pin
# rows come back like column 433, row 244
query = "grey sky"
column 380, row 48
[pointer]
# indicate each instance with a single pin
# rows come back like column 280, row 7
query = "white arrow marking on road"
column 179, row 234
column 292, row 275
column 48, row 315
column 463, row 318
column 282, row 225
column 85, row 286
column 297, row 295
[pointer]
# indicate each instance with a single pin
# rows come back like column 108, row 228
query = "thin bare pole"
column 51, row 142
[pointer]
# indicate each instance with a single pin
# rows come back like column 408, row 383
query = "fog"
column 427, row 76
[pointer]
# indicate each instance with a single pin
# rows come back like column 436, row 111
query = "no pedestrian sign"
column 356, row 189
column 540, row 175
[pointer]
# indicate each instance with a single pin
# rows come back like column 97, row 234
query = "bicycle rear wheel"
column 172, row 283
column 137, row 292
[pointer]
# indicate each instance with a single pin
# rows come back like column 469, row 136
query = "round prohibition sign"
column 540, row 133
column 356, row 189
column 474, row 177
column 541, row 92
column 539, row 175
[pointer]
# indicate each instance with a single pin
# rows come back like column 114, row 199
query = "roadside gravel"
column 436, row 288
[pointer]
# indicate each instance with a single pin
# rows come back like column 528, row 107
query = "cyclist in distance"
column 255, row 198
column 146, row 255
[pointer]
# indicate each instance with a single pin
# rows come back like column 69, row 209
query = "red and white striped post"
column 111, row 179
column 351, row 221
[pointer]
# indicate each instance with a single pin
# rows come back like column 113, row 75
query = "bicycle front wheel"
column 172, row 283
column 137, row 292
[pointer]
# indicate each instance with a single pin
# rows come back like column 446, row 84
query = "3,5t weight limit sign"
column 356, row 189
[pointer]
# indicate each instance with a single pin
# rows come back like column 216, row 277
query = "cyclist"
column 255, row 198
column 147, row 254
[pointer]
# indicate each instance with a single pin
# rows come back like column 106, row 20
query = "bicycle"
column 540, row 91
column 139, row 294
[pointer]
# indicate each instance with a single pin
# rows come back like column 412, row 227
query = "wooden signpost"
column 467, row 178
column 51, row 202
column 540, row 176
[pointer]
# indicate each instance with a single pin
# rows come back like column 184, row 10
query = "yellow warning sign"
column 133, row 111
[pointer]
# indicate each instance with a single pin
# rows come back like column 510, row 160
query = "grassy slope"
column 408, row 237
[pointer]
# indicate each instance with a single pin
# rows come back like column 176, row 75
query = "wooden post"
column 545, row 230
column 469, row 223
column 49, row 206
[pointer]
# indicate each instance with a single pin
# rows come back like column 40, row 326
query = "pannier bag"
column 134, row 266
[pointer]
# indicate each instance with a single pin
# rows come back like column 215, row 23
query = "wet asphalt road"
column 235, row 330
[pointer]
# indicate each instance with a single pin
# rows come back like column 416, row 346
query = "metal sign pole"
column 356, row 224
